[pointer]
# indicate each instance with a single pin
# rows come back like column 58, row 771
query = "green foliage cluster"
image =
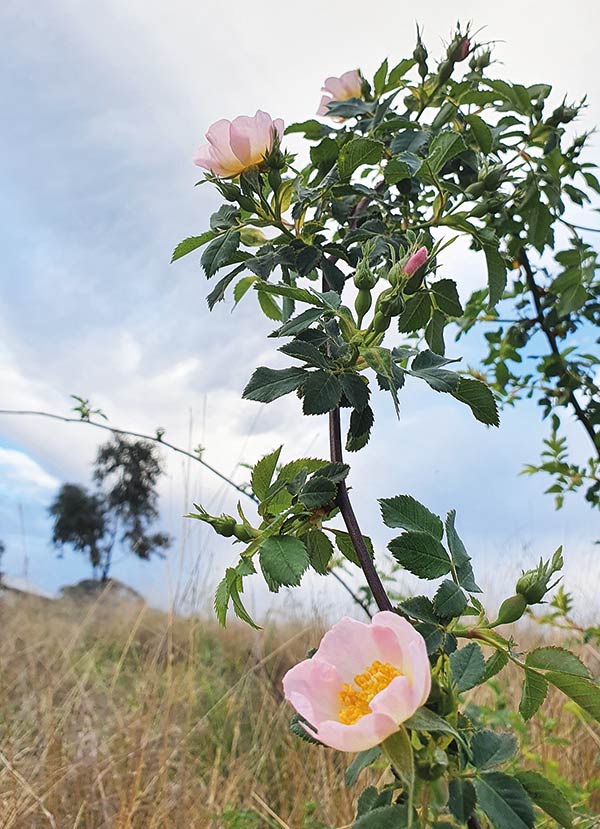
column 412, row 165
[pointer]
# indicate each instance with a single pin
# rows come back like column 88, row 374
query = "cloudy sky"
column 103, row 105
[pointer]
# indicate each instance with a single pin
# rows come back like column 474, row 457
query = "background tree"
column 122, row 510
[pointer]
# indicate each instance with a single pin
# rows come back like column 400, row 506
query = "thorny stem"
column 343, row 501
column 552, row 341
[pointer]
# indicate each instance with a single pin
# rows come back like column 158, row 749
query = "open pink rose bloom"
column 348, row 85
column 234, row 146
column 362, row 683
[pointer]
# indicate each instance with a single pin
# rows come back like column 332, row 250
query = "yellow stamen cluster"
column 355, row 702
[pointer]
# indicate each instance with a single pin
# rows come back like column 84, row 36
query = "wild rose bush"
column 343, row 256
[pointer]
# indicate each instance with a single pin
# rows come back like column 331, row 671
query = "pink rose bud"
column 362, row 683
column 463, row 50
column 235, row 146
column 414, row 262
column 348, row 85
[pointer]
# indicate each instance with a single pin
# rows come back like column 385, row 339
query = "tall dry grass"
column 121, row 717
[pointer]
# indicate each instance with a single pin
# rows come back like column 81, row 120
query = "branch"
column 180, row 451
column 552, row 341
column 152, row 438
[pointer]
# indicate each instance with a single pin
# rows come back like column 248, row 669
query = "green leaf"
column 269, row 307
column 224, row 218
column 320, row 550
column 357, row 152
column 262, row 473
column 219, row 252
column 539, row 221
column 322, row 393
column 545, row 795
column 480, row 399
column 283, row 560
column 440, row 379
column 461, row 800
column 482, row 133
column 297, row 727
column 402, row 166
column 336, row 472
column 460, row 557
column 533, row 694
column 290, row 292
column 192, row 243
column 346, row 547
column 582, row 691
column 356, row 390
column 305, row 351
column 380, row 77
column 397, row 748
column 383, row 817
column 553, row 658
column 222, row 601
column 300, row 323
column 399, row 71
column 504, row 801
column 497, row 661
column 416, row 313
column 359, row 430
column 434, row 332
column 218, row 292
column 493, row 748
column 242, row 287
column 449, row 602
column 362, row 760
column 421, row 608
column 424, row 719
column 421, row 554
column 496, row 271
column 312, row 129
column 444, row 147
column 407, row 513
column 446, row 297
column 468, row 666
column 318, row 492
column 267, row 384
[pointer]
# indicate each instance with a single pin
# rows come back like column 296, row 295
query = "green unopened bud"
column 244, row 533
column 362, row 304
column 364, row 278
column 534, row 584
column 476, row 189
column 493, row 177
column 446, row 113
column 445, row 70
column 420, row 53
column 252, row 237
column 396, row 275
column 511, row 610
column 562, row 115
column 481, row 61
column 381, row 322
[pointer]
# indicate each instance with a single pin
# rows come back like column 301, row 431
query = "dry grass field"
column 123, row 717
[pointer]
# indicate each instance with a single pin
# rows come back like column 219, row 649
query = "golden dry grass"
column 132, row 719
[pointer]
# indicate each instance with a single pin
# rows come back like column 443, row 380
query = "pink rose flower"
column 234, row 146
column 414, row 262
column 348, row 85
column 362, row 683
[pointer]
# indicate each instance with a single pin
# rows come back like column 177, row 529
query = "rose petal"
column 313, row 689
column 367, row 732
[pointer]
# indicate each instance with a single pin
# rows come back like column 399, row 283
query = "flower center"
column 355, row 701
